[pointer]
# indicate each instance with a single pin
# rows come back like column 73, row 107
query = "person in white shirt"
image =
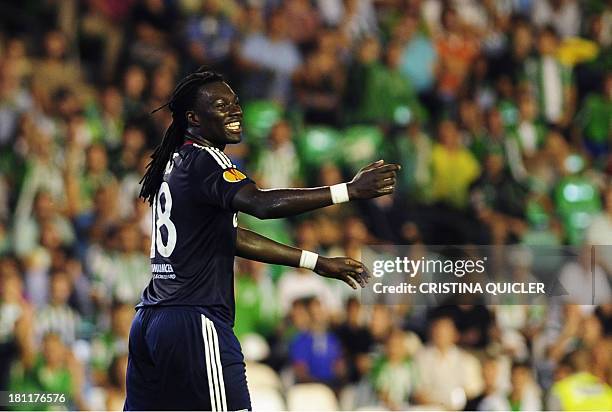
column 448, row 375
column 564, row 15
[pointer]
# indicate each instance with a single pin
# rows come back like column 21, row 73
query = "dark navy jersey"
column 193, row 239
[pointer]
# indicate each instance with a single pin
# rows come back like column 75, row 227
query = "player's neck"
column 192, row 135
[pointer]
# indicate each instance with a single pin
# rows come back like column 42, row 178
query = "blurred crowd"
column 499, row 112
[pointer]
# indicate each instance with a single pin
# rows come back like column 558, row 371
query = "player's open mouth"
column 234, row 127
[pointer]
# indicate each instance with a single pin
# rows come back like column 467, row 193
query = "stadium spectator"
column 454, row 167
column 111, row 344
column 116, row 389
column 272, row 55
column 153, row 22
column 56, row 71
column 255, row 295
column 210, row 34
column 133, row 89
column 14, row 99
column 456, row 379
column 359, row 19
column 54, row 370
column 596, row 394
column 491, row 398
column 550, row 81
column 356, row 339
column 394, row 374
column 473, row 322
column 16, row 320
column 366, row 57
column 58, row 317
column 594, row 119
column 419, row 58
column 413, row 145
column 303, row 22
column 562, row 14
column 318, row 86
column 278, row 164
column 102, row 21
column 316, row 354
column 498, row 200
column 525, row 393
column 457, row 49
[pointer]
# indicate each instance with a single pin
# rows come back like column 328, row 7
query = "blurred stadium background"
column 499, row 112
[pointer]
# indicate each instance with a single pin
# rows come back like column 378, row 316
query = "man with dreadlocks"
column 183, row 354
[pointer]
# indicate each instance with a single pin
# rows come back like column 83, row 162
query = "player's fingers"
column 388, row 167
column 366, row 274
column 386, row 190
column 357, row 270
column 348, row 280
column 386, row 175
column 356, row 277
column 373, row 165
column 353, row 264
column 389, row 180
column 363, row 278
column 385, row 183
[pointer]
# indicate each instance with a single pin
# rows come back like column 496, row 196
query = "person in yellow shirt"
column 454, row 167
column 580, row 390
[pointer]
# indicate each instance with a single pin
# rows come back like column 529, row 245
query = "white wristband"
column 308, row 260
column 339, row 193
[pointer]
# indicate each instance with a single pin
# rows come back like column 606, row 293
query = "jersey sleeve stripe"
column 224, row 156
column 216, row 157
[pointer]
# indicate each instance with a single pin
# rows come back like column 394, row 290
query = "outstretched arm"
column 253, row 246
column 374, row 180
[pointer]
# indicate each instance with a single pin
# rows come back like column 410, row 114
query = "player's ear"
column 192, row 118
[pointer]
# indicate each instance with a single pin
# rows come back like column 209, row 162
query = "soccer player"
column 183, row 353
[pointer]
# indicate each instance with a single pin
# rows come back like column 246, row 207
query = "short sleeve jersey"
column 193, row 241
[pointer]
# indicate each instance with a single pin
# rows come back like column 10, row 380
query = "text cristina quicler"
column 493, row 288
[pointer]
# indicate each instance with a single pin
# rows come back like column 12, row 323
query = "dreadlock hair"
column 182, row 99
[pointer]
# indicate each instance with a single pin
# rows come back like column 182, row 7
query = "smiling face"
column 217, row 115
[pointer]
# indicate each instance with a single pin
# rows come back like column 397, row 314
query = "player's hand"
column 346, row 269
column 374, row 180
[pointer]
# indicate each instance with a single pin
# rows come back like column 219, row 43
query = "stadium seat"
column 259, row 117
column 311, row 397
column 317, row 145
column 262, row 376
column 347, row 397
column 577, row 200
column 361, row 144
column 426, row 408
column 254, row 347
column 266, row 399
column 96, row 398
